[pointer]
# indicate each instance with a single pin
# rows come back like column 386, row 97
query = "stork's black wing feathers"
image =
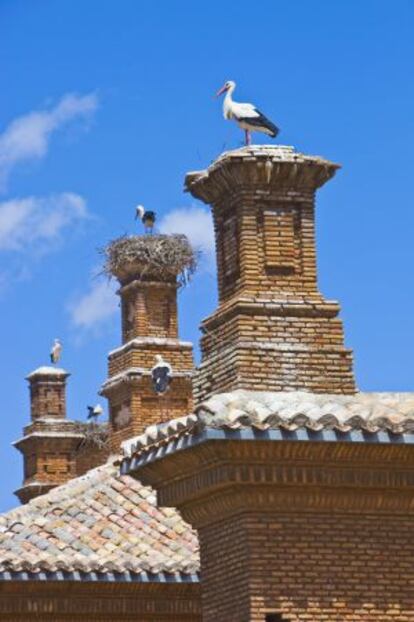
column 161, row 378
column 150, row 216
column 261, row 121
column 160, row 371
column 90, row 411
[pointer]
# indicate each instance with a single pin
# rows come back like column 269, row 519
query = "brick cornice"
column 264, row 168
column 287, row 308
column 140, row 284
column 151, row 343
column 99, row 600
column 218, row 477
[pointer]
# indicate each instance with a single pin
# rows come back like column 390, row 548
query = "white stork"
column 161, row 374
column 94, row 411
column 55, row 352
column 148, row 218
column 247, row 116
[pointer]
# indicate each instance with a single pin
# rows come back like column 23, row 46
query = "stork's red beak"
column 222, row 90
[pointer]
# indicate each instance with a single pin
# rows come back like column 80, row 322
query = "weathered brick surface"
column 135, row 405
column 89, row 456
column 149, row 308
column 47, row 395
column 179, row 355
column 273, row 330
column 310, row 568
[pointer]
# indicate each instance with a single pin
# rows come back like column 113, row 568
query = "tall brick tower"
column 147, row 269
column 273, row 330
column 50, row 441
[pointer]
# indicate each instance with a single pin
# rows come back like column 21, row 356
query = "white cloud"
column 37, row 223
column 27, row 137
column 96, row 306
column 196, row 223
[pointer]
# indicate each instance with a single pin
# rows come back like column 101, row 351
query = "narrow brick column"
column 273, row 330
column 50, row 441
column 149, row 327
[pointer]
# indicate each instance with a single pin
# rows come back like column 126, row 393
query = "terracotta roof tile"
column 100, row 522
column 286, row 410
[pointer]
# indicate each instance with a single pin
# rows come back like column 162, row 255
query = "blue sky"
column 107, row 104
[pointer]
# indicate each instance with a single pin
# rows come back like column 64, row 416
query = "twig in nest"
column 151, row 256
column 95, row 434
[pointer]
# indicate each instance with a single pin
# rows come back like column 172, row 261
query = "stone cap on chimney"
column 262, row 165
column 48, row 372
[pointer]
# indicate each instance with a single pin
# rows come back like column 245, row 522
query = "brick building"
column 300, row 487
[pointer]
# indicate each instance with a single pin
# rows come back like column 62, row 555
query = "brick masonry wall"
column 308, row 567
column 135, row 406
column 265, row 241
column 180, row 357
column 88, row 457
column 260, row 351
column 149, row 309
column 48, row 398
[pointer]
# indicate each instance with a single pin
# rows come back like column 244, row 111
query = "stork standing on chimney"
column 55, row 352
column 147, row 218
column 247, row 116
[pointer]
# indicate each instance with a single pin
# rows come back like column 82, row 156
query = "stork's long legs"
column 248, row 137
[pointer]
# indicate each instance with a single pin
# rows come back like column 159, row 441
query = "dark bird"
column 161, row 374
column 148, row 218
column 94, row 411
column 247, row 116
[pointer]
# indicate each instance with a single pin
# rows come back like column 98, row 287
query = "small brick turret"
column 273, row 330
column 50, row 441
column 149, row 327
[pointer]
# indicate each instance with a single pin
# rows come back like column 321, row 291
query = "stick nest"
column 159, row 257
column 95, row 434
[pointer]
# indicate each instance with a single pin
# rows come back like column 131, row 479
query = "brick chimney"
column 273, row 329
column 50, row 441
column 149, row 327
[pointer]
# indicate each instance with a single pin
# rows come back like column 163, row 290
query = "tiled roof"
column 293, row 410
column 101, row 522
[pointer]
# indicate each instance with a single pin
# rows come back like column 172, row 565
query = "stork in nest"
column 147, row 218
column 94, row 412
